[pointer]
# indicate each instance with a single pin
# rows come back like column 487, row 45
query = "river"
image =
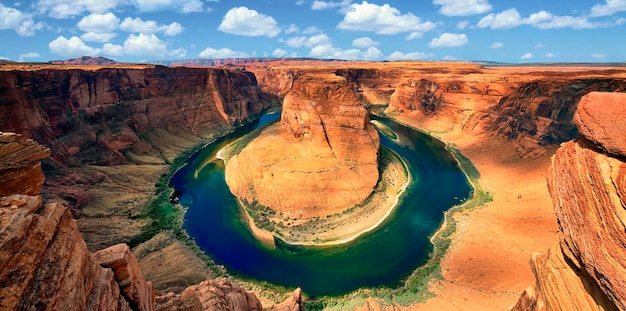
column 383, row 257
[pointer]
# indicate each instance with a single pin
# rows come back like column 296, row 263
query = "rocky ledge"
column 587, row 182
column 321, row 159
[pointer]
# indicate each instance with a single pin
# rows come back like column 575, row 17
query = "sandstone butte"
column 112, row 130
column 321, row 159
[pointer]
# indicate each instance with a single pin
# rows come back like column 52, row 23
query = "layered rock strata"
column 587, row 181
column 321, row 159
column 47, row 266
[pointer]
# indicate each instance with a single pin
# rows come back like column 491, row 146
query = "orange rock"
column 600, row 118
column 321, row 159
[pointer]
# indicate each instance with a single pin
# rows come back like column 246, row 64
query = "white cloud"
column 308, row 41
column 609, row 7
column 183, row 6
column 364, row 42
column 279, row 53
column 397, row 55
column 150, row 26
column 526, row 56
column 543, row 20
column 328, row 51
column 497, row 45
column 291, row 29
column 72, row 47
column 23, row 23
column 144, row 45
column 383, row 19
column 246, row 22
column 311, row 30
column 549, row 55
column 72, row 8
column 462, row 24
column 598, row 56
column 98, row 37
column 178, row 53
column 539, row 46
column 99, row 23
column 324, row 5
column 414, row 35
column 28, row 55
column 463, row 7
column 221, row 53
column 449, row 40
column 113, row 49
column 506, row 19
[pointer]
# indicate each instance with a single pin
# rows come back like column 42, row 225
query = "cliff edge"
column 586, row 270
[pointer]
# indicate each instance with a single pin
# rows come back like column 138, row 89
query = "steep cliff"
column 47, row 266
column 321, row 159
column 100, row 116
column 587, row 181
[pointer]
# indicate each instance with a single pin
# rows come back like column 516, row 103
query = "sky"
column 513, row 31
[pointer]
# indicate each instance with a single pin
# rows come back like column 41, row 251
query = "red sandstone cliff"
column 321, row 159
column 587, row 181
column 96, row 117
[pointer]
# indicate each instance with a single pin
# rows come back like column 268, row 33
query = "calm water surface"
column 384, row 257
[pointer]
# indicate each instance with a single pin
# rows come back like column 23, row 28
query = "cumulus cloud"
column 99, row 23
column 21, row 22
column 279, row 53
column 462, row 7
column 177, row 53
column 144, row 45
column 221, row 53
column 324, row 5
column 414, row 35
column 150, row 26
column 609, row 7
column 449, row 40
column 28, row 55
column 543, row 20
column 364, row 42
column 291, row 29
column 71, row 47
column 71, row 8
column 328, row 51
column 549, row 55
column 497, row 45
column 113, row 49
column 462, row 24
column 527, row 56
column 98, row 37
column 383, row 19
column 308, row 41
column 598, row 56
column 246, row 22
column 397, row 55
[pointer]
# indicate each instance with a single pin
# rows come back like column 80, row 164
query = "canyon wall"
column 47, row 266
column 532, row 107
column 111, row 116
column 587, row 182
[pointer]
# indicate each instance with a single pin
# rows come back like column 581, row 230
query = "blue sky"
column 514, row 31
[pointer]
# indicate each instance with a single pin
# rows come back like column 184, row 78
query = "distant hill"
column 85, row 60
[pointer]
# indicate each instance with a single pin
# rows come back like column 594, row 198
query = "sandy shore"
column 345, row 227
column 487, row 265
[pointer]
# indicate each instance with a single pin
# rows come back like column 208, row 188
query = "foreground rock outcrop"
column 587, row 181
column 47, row 266
column 321, row 159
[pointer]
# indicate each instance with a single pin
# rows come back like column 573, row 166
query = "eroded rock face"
column 588, row 188
column 321, row 159
column 20, row 162
column 211, row 296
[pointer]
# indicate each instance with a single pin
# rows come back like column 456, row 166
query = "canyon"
column 112, row 132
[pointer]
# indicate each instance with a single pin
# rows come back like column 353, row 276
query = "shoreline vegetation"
column 167, row 216
column 341, row 228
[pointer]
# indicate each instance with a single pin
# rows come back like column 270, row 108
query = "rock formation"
column 587, row 181
column 321, row 159
column 47, row 266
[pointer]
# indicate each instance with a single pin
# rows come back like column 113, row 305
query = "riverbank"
column 339, row 228
column 487, row 244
